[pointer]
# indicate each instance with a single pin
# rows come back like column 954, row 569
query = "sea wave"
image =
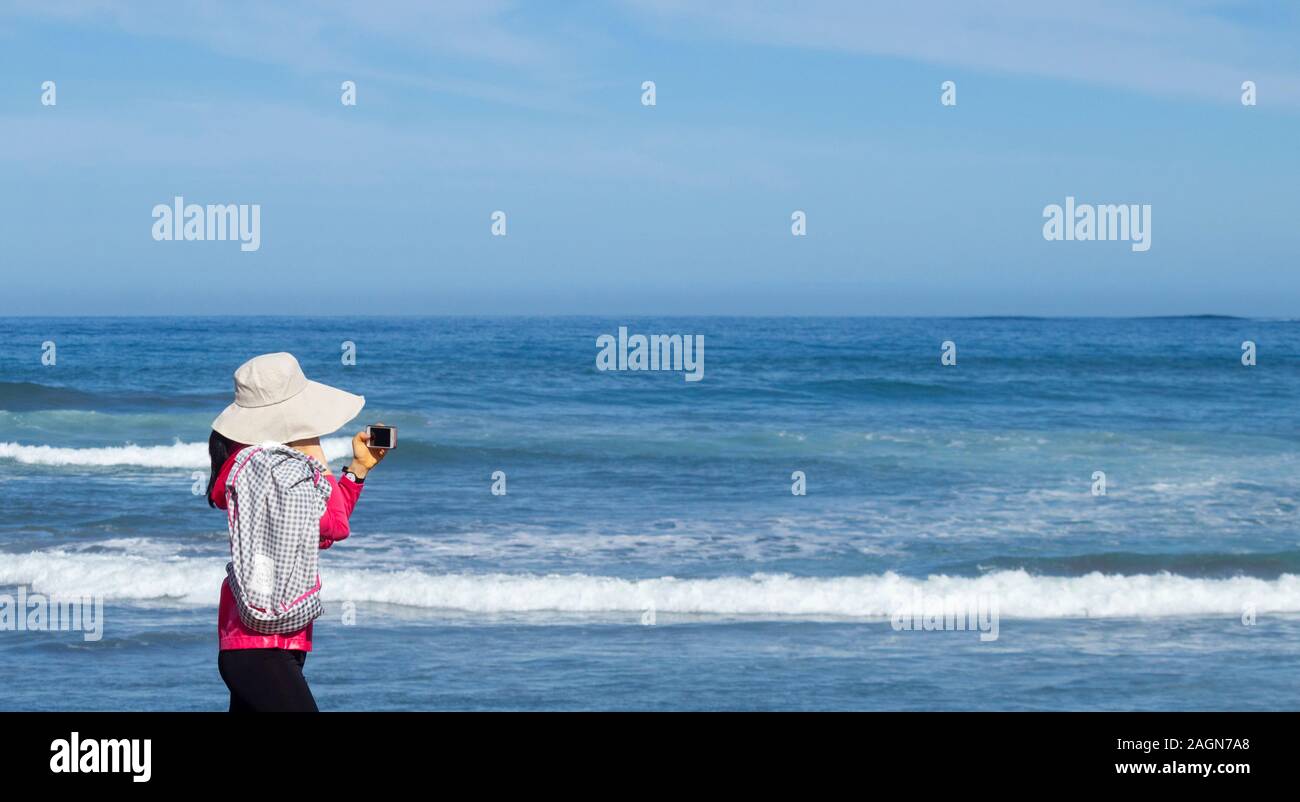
column 1017, row 594
column 176, row 455
column 1261, row 565
column 24, row 396
column 31, row 396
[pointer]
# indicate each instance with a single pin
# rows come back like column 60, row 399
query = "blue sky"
column 682, row 208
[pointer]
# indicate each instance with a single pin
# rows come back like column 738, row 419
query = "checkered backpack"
column 275, row 497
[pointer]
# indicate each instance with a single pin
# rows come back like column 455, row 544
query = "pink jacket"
column 334, row 526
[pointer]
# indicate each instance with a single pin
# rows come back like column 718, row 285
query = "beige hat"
column 275, row 402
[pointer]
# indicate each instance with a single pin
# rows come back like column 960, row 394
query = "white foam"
column 1018, row 594
column 114, row 576
column 762, row 596
column 177, row 455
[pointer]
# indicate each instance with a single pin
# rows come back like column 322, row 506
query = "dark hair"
column 219, row 450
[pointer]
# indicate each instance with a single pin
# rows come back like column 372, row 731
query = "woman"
column 275, row 402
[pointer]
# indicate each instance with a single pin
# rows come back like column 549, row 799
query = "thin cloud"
column 1192, row 51
column 321, row 34
column 472, row 48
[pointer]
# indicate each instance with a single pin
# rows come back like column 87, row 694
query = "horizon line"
column 537, row 315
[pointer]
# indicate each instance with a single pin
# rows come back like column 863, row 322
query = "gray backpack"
column 275, row 497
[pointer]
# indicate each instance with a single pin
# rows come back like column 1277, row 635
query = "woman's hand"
column 363, row 456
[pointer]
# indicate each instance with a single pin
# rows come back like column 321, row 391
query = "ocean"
column 648, row 552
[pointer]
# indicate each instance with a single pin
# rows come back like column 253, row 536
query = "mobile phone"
column 382, row 436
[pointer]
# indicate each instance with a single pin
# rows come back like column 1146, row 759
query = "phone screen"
column 381, row 437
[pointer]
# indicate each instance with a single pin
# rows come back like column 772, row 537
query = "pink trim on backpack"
column 294, row 603
column 284, row 608
column 231, row 512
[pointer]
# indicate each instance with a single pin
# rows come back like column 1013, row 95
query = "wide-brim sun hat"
column 275, row 402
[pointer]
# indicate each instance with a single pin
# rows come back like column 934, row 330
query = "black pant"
column 266, row 680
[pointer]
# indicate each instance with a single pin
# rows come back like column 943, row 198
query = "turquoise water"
column 649, row 553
